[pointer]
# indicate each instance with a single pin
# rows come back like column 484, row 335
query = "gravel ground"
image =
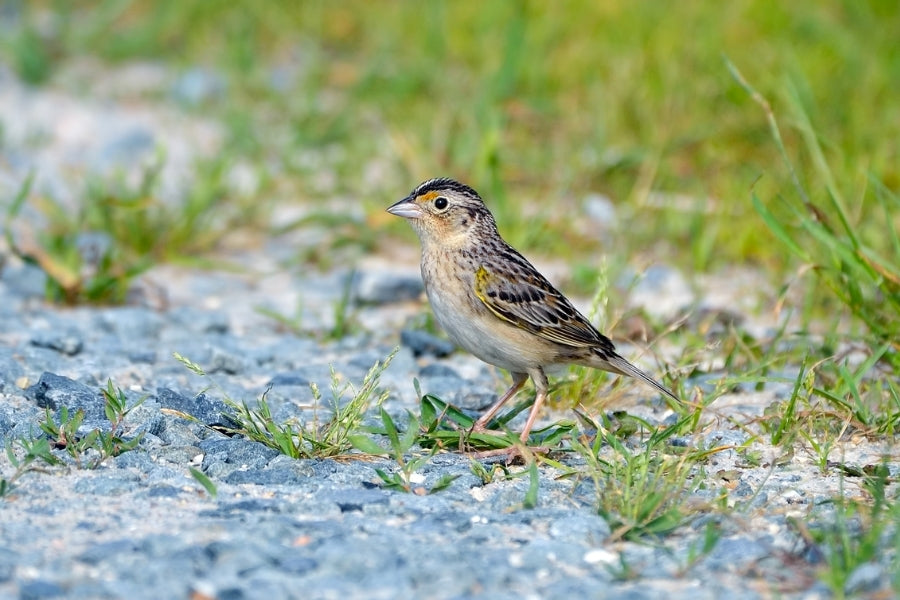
column 141, row 526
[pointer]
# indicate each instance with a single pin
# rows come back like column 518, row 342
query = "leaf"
column 443, row 483
column 87, row 441
column 475, row 440
column 205, row 481
column 531, row 496
column 11, row 455
column 480, row 471
column 390, row 430
column 366, row 444
column 16, row 206
column 393, row 481
column 41, row 449
column 780, row 232
column 428, row 415
column 126, row 445
column 551, row 435
column 668, row 521
column 444, row 409
column 114, row 402
column 411, row 433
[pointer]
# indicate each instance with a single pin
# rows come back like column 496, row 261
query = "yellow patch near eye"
column 428, row 196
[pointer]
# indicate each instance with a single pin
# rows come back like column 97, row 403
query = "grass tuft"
column 94, row 253
column 644, row 491
column 318, row 437
column 87, row 450
column 91, row 450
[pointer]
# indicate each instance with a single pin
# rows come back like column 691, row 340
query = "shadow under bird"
column 493, row 303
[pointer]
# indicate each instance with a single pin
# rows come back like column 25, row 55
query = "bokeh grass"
column 535, row 104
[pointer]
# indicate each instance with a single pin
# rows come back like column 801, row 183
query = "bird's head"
column 446, row 214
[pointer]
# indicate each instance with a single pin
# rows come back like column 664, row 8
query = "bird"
column 492, row 302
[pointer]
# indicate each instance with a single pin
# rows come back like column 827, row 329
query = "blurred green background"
column 536, row 104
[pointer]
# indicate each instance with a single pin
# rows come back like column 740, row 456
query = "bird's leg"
column 541, row 386
column 515, row 452
column 519, row 380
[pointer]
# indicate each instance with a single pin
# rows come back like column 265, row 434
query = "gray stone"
column 26, row 281
column 175, row 431
column 303, row 376
column 735, row 553
column 231, row 509
column 68, row 343
column 10, row 372
column 39, row 589
column 243, row 453
column 98, row 553
column 198, row 86
column 423, row 343
column 55, row 391
column 94, row 247
column 743, row 490
column 591, row 530
column 385, row 287
column 200, row 321
column 131, row 323
column 865, row 578
column 601, row 210
column 294, row 378
column 438, row 370
column 143, row 356
column 178, row 455
column 108, row 484
column 661, row 291
column 349, row 500
column 280, row 475
column 297, row 565
column 8, row 560
column 137, row 459
column 126, row 148
column 210, row 411
column 223, row 361
column 729, row 437
column 6, row 424
column 164, row 491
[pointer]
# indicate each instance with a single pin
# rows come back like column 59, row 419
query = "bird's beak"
column 406, row 208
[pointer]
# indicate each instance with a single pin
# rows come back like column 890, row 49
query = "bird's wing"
column 523, row 297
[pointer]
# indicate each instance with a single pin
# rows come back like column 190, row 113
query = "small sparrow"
column 492, row 302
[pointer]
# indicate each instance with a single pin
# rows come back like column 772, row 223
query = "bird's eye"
column 440, row 203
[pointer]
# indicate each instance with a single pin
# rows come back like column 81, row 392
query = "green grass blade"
column 776, row 228
column 534, row 481
column 205, row 481
column 365, row 444
column 390, row 429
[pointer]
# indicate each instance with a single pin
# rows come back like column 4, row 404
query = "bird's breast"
column 450, row 286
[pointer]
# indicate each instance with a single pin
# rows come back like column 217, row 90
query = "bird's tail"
column 617, row 364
